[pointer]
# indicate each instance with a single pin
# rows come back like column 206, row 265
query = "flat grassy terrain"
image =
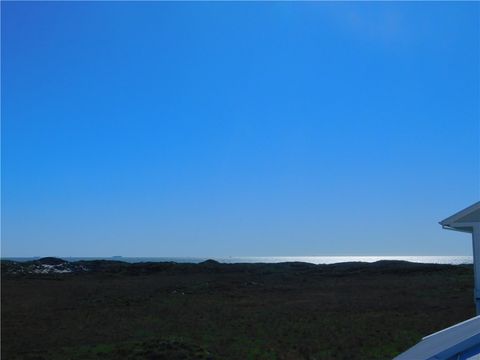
column 230, row 311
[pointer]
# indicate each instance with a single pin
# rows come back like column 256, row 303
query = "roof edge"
column 453, row 218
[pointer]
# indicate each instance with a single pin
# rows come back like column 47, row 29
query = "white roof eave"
column 462, row 227
column 451, row 221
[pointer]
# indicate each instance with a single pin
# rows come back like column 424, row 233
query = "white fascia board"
column 452, row 219
column 463, row 227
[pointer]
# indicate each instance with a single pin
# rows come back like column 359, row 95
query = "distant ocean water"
column 454, row 260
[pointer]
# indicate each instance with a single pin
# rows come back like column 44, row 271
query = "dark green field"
column 220, row 311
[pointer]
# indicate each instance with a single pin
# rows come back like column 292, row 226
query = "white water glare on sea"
column 453, row 260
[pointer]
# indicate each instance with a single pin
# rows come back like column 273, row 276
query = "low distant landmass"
column 110, row 309
column 318, row 260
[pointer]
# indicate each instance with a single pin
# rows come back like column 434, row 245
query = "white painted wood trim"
column 460, row 214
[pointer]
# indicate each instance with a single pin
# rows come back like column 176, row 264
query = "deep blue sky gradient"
column 217, row 129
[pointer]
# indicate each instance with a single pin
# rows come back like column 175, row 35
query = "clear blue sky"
column 218, row 129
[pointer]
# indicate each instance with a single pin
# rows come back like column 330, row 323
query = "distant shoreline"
column 317, row 260
column 53, row 265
